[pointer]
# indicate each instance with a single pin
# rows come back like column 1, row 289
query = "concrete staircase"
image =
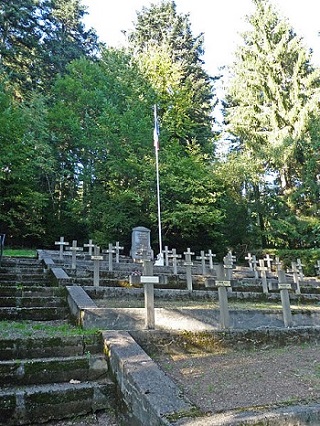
column 49, row 370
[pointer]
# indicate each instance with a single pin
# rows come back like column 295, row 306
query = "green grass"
column 32, row 328
column 19, row 252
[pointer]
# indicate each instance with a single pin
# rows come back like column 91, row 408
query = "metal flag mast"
column 160, row 260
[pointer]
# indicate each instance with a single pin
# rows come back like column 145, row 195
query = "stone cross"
column 74, row 249
column 148, row 281
column 223, row 283
column 284, row 288
column 61, row 243
column 166, row 252
column 249, row 259
column 300, row 268
column 254, row 266
column 278, row 265
column 269, row 260
column 188, row 264
column 228, row 265
column 96, row 265
column 296, row 276
column 110, row 252
column 317, row 266
column 90, row 246
column 117, row 248
column 175, row 257
column 210, row 256
column 263, row 271
column 203, row 258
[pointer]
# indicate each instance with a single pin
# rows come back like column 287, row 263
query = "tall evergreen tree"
column 274, row 90
column 38, row 38
column 161, row 27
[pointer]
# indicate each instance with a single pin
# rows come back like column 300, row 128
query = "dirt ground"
column 242, row 379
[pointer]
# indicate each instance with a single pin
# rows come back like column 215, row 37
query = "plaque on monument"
column 140, row 244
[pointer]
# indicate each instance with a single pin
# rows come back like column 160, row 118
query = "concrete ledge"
column 78, row 301
column 198, row 319
column 48, row 262
column 149, row 395
column 286, row 416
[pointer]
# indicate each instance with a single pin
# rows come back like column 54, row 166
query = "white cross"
column 166, row 252
column 249, row 259
column 174, row 257
column 117, row 248
column 61, row 243
column 210, row 256
column 268, row 259
column 90, row 246
column 74, row 250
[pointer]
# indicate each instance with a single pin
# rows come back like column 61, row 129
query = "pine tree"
column 273, row 93
column 161, row 28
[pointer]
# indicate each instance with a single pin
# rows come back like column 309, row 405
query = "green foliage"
column 309, row 258
column 273, row 93
column 39, row 38
column 170, row 56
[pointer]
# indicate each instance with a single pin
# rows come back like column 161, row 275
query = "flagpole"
column 156, row 148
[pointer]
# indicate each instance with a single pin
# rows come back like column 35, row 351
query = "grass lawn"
column 19, row 252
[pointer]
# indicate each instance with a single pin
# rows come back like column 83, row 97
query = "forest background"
column 76, row 131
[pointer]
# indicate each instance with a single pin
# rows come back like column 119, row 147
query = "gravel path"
column 238, row 380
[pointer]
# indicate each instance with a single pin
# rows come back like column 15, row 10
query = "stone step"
column 22, row 277
column 25, row 343
column 38, row 371
column 31, row 291
column 41, row 403
column 34, row 313
column 32, row 302
column 12, row 262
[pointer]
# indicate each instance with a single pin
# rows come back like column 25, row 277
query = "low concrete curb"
column 150, row 396
column 286, row 416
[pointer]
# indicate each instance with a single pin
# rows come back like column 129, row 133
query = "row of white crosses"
column 172, row 254
column 296, row 269
column 96, row 257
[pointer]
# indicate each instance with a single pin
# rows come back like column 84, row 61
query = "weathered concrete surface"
column 149, row 394
column 192, row 319
column 78, row 301
column 287, row 416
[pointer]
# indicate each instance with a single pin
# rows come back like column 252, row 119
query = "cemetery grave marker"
column 90, row 246
column 269, row 260
column 140, row 244
column 223, row 283
column 300, row 268
column 61, row 243
column 263, row 271
column 96, row 265
column 148, row 281
column 110, row 252
column 203, row 258
column 278, row 265
column 296, row 276
column 317, row 267
column 166, row 252
column 284, row 288
column 188, row 264
column 228, row 265
column 174, row 256
column 249, row 259
column 117, row 248
column 74, row 249
column 254, row 266
column 210, row 256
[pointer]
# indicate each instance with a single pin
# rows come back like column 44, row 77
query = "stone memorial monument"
column 140, row 244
